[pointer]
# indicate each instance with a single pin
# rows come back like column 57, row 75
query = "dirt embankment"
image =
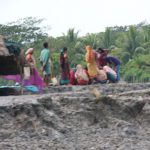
column 96, row 117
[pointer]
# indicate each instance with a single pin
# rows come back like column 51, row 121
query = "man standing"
column 45, row 63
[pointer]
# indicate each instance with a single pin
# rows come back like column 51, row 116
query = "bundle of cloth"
column 3, row 50
column 8, row 47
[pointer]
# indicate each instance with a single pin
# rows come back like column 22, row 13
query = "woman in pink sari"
column 35, row 78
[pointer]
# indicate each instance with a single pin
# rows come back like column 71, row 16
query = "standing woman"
column 64, row 67
column 91, row 62
column 35, row 78
column 30, row 57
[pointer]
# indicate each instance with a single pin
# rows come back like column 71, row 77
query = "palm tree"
column 147, row 33
column 132, row 39
column 89, row 39
column 71, row 36
column 107, row 37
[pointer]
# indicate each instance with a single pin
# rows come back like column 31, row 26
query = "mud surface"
column 95, row 117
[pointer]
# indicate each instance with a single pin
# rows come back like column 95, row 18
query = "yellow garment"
column 89, row 55
column 91, row 62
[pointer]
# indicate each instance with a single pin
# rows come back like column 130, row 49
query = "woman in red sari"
column 64, row 67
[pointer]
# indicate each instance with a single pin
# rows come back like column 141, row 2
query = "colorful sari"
column 91, row 62
column 81, row 75
column 72, row 76
column 64, row 66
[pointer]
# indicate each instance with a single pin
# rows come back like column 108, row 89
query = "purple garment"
column 16, row 78
column 112, row 60
column 35, row 79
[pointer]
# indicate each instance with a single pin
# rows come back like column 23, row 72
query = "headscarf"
column 89, row 54
column 63, row 50
column 80, row 73
column 29, row 51
column 62, row 56
column 29, row 56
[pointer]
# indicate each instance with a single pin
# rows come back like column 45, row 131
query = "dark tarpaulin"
column 9, row 65
column 13, row 48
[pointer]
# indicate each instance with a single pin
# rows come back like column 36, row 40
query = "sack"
column 3, row 49
column 53, row 78
column 54, row 81
column 27, row 72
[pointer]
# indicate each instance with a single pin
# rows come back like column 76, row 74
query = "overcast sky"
column 86, row 16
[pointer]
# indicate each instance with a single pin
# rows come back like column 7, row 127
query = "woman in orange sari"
column 90, row 58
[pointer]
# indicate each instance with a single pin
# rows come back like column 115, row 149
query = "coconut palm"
column 71, row 36
column 132, row 39
column 107, row 37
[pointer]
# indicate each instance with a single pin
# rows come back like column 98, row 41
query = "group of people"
column 100, row 68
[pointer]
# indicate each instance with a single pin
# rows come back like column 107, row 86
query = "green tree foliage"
column 107, row 37
column 138, row 69
column 55, row 60
column 71, row 36
column 25, row 31
column 132, row 39
column 139, row 51
column 90, row 39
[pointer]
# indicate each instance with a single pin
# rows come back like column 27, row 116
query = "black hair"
column 65, row 49
column 45, row 45
column 86, row 68
column 100, row 50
